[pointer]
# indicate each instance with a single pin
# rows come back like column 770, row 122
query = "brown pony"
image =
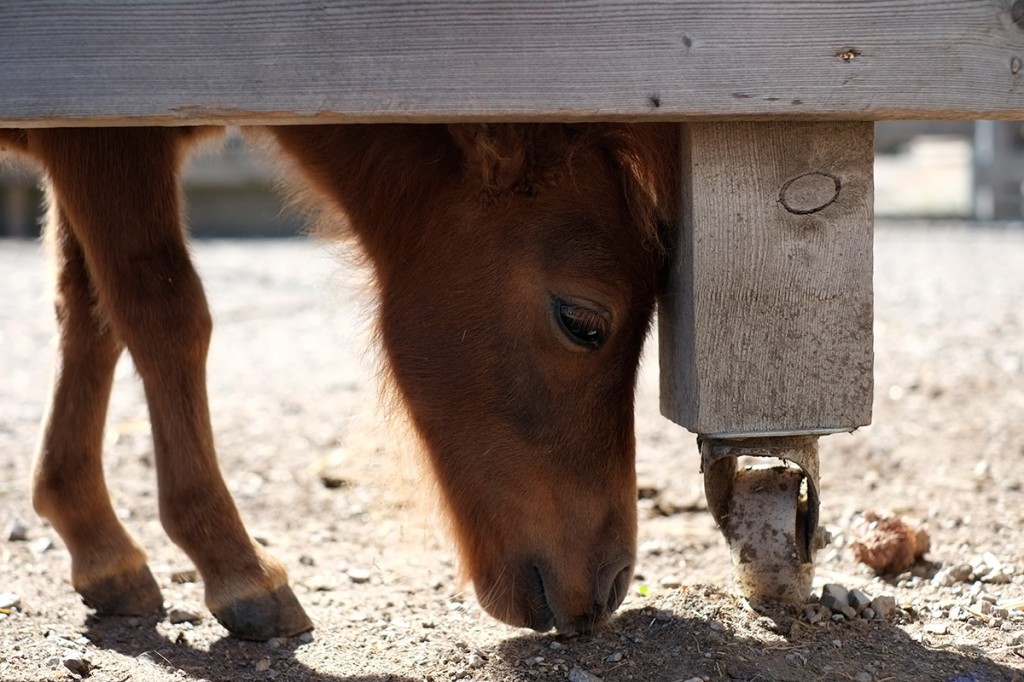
column 517, row 267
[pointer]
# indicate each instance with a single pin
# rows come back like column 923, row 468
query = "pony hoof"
column 129, row 594
column 277, row 614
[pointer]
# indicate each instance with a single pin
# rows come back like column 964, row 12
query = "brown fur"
column 481, row 237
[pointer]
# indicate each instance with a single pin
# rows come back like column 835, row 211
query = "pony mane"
column 648, row 156
column 13, row 139
column 506, row 160
column 520, row 158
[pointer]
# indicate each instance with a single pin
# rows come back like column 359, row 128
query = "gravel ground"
column 325, row 477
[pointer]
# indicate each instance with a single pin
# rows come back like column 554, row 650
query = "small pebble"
column 263, row 665
column 858, row 600
column 16, row 530
column 578, row 674
column 884, row 607
column 177, row 616
column 307, row 560
column 936, row 628
column 815, row 613
column 862, row 676
column 837, row 599
column 41, row 545
column 323, row 583
column 613, row 658
column 475, row 661
column 651, row 548
column 670, row 581
column 949, row 576
column 868, row 613
column 555, row 646
column 306, row 637
column 1002, row 576
column 9, row 600
column 332, row 481
column 77, row 663
column 715, row 625
column 961, row 572
column 358, row 575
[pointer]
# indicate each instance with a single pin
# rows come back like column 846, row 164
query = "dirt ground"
column 326, row 479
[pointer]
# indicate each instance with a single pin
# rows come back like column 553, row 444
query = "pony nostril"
column 609, row 591
column 612, row 584
column 539, row 615
column 619, row 588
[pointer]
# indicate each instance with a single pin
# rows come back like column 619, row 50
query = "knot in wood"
column 809, row 193
column 1017, row 14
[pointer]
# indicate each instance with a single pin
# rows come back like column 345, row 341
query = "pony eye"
column 582, row 326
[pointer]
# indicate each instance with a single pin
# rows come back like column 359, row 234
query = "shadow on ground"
column 227, row 659
column 711, row 635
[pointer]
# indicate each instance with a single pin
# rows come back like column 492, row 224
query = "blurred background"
column 962, row 170
column 230, row 191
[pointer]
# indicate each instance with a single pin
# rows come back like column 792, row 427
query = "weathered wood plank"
column 767, row 328
column 262, row 61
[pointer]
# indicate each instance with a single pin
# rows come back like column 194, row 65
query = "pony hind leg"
column 108, row 568
column 120, row 192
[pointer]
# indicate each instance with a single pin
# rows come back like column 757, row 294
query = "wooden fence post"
column 767, row 326
column 997, row 175
column 766, row 329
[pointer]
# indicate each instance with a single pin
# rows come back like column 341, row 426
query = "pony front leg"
column 108, row 568
column 119, row 191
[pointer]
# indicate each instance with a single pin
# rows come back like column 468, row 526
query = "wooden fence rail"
column 128, row 62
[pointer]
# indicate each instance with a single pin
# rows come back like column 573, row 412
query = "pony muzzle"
column 538, row 600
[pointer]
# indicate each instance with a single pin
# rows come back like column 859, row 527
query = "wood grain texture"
column 767, row 328
column 83, row 62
